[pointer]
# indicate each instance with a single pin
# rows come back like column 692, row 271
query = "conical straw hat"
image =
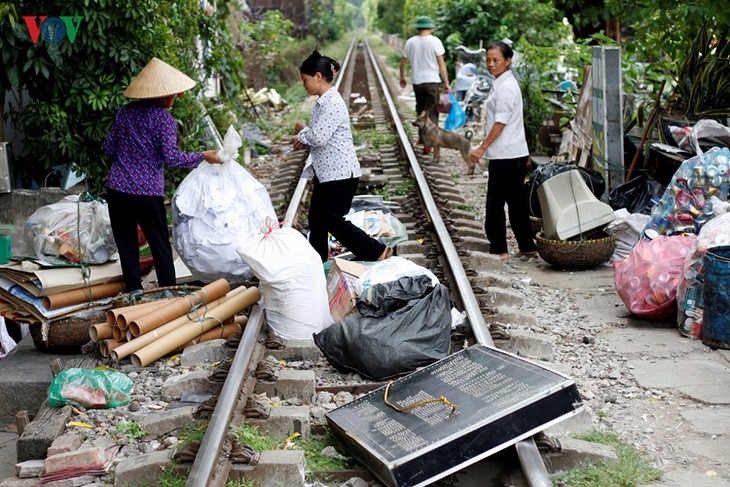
column 158, row 79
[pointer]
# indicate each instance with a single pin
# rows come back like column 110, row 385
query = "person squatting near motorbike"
column 426, row 55
column 506, row 148
column 335, row 170
column 142, row 140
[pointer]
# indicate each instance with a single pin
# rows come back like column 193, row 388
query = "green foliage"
column 388, row 16
column 130, row 429
column 250, row 435
column 192, row 433
column 171, row 477
column 321, row 23
column 630, row 470
column 315, row 462
column 264, row 40
column 76, row 88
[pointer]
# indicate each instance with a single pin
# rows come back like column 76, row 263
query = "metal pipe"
column 471, row 305
column 210, row 448
column 532, row 465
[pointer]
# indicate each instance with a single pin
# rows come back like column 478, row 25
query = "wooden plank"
column 49, row 424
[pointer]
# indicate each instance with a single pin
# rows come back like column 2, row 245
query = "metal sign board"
column 608, row 131
column 500, row 399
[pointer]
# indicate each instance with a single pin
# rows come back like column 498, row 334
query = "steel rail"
column 471, row 305
column 215, row 435
column 529, row 456
column 298, row 196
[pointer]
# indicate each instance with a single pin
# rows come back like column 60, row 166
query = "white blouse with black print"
column 329, row 138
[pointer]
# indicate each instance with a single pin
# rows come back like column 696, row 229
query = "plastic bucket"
column 716, row 322
column 6, row 248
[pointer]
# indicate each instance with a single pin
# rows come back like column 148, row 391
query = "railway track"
column 449, row 248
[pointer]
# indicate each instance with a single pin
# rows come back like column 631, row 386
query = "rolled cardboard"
column 152, row 335
column 112, row 314
column 178, row 307
column 213, row 334
column 77, row 296
column 123, row 319
column 241, row 320
column 106, row 346
column 188, row 331
column 118, row 334
column 100, row 331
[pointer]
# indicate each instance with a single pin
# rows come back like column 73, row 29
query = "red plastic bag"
column 444, row 104
column 647, row 279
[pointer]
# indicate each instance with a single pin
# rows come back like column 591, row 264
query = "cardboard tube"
column 213, row 334
column 178, row 307
column 106, row 346
column 100, row 331
column 187, row 332
column 123, row 319
column 118, row 334
column 111, row 315
column 144, row 340
column 76, row 296
column 241, row 320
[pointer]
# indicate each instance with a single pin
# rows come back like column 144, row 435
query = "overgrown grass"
column 191, row 433
column 387, row 191
column 130, row 429
column 372, row 138
column 250, row 435
column 630, row 470
column 172, row 478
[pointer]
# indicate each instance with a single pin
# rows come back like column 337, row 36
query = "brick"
column 142, row 469
column 29, row 469
column 196, row 381
column 38, row 435
column 86, row 456
column 277, row 468
column 72, row 482
column 290, row 383
column 64, row 443
column 284, row 421
column 165, row 422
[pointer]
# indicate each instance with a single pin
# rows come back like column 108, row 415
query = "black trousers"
column 126, row 211
column 427, row 96
column 329, row 204
column 506, row 185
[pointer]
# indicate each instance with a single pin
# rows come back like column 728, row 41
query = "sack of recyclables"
column 214, row 208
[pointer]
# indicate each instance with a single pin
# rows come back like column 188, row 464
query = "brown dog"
column 436, row 137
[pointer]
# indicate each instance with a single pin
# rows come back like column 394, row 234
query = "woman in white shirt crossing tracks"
column 335, row 170
column 506, row 148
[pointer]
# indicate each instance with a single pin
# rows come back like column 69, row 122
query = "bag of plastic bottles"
column 647, row 279
column 691, row 287
column 686, row 204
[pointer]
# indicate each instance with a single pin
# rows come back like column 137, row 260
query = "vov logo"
column 52, row 29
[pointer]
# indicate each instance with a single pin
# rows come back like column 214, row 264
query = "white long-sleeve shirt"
column 329, row 138
column 504, row 105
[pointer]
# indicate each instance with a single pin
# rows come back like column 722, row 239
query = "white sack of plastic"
column 292, row 282
column 214, row 208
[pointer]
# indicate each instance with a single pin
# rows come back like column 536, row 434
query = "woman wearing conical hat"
column 141, row 142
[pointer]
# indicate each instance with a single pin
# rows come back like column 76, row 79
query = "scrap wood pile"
column 150, row 330
column 264, row 96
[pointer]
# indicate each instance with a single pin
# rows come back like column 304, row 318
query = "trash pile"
column 682, row 256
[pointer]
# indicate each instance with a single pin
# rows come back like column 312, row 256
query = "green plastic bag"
column 90, row 388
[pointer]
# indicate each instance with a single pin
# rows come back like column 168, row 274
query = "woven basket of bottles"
column 576, row 254
column 66, row 335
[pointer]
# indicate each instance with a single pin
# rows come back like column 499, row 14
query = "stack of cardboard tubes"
column 153, row 329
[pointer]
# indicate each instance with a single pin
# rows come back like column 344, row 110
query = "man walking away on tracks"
column 426, row 55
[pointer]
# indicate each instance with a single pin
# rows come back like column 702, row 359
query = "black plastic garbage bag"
column 402, row 325
column 636, row 195
column 593, row 179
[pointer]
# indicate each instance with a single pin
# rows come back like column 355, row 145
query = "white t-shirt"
column 421, row 51
column 504, row 105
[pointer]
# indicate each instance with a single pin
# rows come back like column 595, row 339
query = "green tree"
column 75, row 88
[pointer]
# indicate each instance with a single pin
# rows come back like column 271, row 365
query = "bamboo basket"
column 66, row 335
column 575, row 255
column 536, row 224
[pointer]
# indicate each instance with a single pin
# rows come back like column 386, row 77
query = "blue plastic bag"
column 456, row 117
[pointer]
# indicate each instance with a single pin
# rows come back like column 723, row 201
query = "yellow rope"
column 441, row 399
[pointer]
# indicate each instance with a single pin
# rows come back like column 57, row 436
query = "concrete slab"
column 717, row 449
column 8, row 455
column 684, row 478
column 652, row 339
column 704, row 380
column 24, row 379
column 710, row 420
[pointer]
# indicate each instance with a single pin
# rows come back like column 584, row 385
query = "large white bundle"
column 293, row 284
column 214, row 208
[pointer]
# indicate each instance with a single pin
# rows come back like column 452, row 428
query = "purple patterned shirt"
column 142, row 140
